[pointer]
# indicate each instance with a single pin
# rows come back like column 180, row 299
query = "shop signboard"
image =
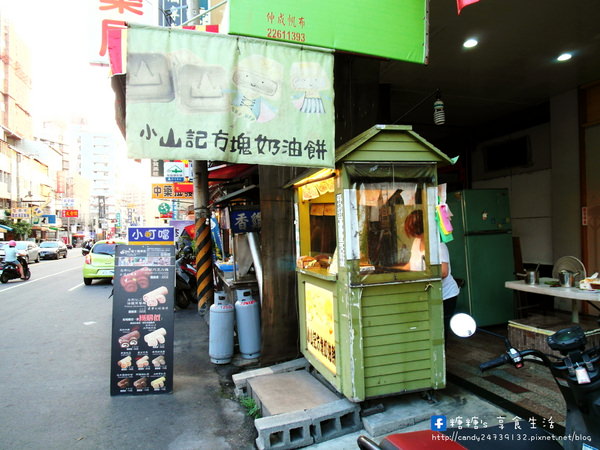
column 143, row 321
column 174, row 171
column 44, row 219
column 150, row 235
column 20, row 213
column 167, row 191
column 208, row 96
column 244, row 219
column 387, row 28
column 157, row 168
column 175, row 12
column 104, row 16
column 320, row 326
column 184, row 187
column 164, row 208
column 70, row 213
column 179, row 226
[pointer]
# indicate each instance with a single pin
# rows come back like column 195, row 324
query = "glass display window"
column 395, row 213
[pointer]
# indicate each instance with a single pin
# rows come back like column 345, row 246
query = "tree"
column 21, row 229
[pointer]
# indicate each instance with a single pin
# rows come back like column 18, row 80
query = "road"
column 56, row 369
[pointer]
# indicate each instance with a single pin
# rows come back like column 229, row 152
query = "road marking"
column 38, row 279
column 75, row 287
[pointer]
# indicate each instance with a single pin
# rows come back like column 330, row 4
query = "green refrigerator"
column 481, row 253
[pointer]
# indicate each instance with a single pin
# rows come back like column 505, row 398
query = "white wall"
column 545, row 201
column 530, row 212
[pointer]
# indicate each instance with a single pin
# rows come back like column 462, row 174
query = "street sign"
column 150, row 235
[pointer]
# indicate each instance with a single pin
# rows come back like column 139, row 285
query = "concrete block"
column 334, row 419
column 287, row 392
column 241, row 379
column 407, row 411
column 284, row 431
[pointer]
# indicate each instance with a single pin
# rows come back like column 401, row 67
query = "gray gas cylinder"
column 220, row 339
column 247, row 317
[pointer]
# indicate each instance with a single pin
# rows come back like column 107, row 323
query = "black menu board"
column 142, row 331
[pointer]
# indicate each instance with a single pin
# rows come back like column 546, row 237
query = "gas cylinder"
column 220, row 339
column 247, row 317
column 220, row 298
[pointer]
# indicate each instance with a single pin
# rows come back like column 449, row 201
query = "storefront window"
column 317, row 225
column 393, row 216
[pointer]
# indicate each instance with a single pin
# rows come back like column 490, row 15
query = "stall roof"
column 5, row 227
column 355, row 143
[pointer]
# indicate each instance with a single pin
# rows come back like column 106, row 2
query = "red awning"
column 228, row 172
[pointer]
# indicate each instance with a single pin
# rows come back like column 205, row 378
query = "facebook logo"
column 438, row 423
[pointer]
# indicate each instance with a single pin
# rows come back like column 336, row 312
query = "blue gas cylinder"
column 220, row 339
column 247, row 318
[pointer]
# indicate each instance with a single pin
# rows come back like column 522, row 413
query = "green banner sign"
column 205, row 96
column 395, row 29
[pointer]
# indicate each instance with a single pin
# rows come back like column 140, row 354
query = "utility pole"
column 202, row 238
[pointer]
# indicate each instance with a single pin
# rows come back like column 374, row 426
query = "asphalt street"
column 56, row 372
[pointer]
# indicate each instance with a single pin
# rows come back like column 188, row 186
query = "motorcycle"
column 10, row 271
column 577, row 374
column 185, row 282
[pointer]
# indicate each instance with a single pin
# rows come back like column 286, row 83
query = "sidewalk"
column 56, row 388
column 300, row 410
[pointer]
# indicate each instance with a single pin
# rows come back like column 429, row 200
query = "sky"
column 59, row 35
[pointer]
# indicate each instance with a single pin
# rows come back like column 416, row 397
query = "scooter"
column 10, row 271
column 577, row 374
column 185, row 282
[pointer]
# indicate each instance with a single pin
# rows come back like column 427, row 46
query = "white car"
column 29, row 250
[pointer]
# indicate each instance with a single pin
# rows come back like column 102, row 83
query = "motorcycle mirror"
column 463, row 325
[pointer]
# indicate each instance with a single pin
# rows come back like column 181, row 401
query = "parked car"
column 100, row 261
column 53, row 250
column 29, row 250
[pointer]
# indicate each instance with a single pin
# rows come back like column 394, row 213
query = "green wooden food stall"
column 369, row 284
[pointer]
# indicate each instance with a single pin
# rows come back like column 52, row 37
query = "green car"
column 100, row 261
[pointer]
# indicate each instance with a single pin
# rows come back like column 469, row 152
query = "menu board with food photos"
column 143, row 321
